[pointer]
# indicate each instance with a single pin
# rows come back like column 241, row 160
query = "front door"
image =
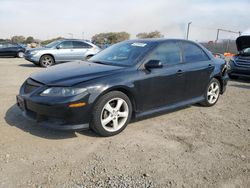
column 162, row 86
column 64, row 51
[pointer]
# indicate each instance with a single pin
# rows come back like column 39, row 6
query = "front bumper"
column 236, row 70
column 56, row 116
column 33, row 59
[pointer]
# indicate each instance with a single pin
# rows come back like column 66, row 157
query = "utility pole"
column 188, row 29
column 224, row 30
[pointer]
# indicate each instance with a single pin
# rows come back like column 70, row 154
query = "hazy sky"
column 51, row 18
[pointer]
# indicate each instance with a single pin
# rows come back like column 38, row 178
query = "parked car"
column 239, row 64
column 219, row 55
column 11, row 50
column 131, row 79
column 61, row 51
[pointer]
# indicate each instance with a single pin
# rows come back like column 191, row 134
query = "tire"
column 212, row 93
column 20, row 54
column 110, row 109
column 233, row 77
column 46, row 61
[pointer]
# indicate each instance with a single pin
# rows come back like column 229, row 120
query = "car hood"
column 68, row 74
column 243, row 42
column 37, row 49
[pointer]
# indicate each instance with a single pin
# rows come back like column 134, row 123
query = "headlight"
column 62, row 91
column 33, row 52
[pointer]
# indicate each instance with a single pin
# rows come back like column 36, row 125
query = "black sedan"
column 11, row 50
column 131, row 79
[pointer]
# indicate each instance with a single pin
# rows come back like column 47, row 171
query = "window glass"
column 193, row 53
column 168, row 53
column 9, row 45
column 66, row 45
column 78, row 44
column 122, row 54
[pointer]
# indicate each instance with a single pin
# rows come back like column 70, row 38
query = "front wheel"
column 111, row 114
column 212, row 93
column 46, row 61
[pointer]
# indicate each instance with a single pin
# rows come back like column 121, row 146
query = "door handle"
column 210, row 66
column 179, row 72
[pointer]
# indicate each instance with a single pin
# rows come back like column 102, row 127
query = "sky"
column 46, row 19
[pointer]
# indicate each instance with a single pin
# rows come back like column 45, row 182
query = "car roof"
column 159, row 40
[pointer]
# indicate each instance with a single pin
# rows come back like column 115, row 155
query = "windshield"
column 52, row 44
column 122, row 54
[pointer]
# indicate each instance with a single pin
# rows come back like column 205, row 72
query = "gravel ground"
column 192, row 147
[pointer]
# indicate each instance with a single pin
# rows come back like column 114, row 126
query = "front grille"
column 31, row 85
column 243, row 61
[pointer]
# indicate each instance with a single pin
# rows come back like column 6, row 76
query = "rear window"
column 78, row 44
column 193, row 53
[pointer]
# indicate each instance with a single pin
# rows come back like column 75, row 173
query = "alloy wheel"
column 20, row 54
column 47, row 61
column 114, row 114
column 213, row 92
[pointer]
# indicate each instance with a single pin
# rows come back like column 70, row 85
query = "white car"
column 63, row 50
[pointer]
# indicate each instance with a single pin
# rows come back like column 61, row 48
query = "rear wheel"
column 212, row 93
column 46, row 61
column 20, row 54
column 111, row 114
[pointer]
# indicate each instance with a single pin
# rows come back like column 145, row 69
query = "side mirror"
column 58, row 47
column 152, row 64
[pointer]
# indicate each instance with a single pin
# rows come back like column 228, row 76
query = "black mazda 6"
column 129, row 80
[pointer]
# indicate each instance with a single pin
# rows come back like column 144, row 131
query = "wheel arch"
column 49, row 55
column 219, row 78
column 124, row 89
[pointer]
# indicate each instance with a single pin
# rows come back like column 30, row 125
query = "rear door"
column 197, row 67
column 64, row 51
column 8, row 49
column 80, row 49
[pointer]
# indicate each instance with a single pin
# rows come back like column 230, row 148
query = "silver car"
column 61, row 51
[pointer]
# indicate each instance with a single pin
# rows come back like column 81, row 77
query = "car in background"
column 219, row 55
column 130, row 79
column 239, row 64
column 9, row 49
column 59, row 51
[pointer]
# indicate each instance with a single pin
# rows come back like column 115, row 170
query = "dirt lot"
column 192, row 147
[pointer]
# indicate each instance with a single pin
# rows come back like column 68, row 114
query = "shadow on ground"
column 28, row 65
column 13, row 117
column 241, row 83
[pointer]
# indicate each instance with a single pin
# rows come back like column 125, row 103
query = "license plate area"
column 20, row 103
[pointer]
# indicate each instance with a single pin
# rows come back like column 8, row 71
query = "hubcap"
column 20, row 54
column 47, row 61
column 213, row 92
column 114, row 114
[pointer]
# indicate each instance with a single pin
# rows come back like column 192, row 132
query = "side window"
column 168, row 53
column 66, row 45
column 11, row 45
column 193, row 53
column 78, row 44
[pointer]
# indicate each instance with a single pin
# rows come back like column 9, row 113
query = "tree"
column 110, row 38
column 153, row 34
column 18, row 39
column 29, row 40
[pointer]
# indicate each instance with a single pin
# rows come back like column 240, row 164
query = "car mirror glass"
column 151, row 64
